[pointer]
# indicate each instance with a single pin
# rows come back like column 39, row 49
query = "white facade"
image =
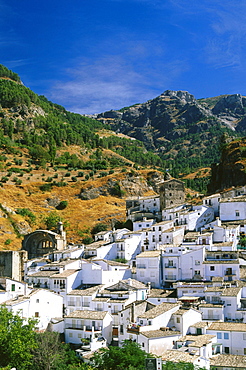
column 41, row 304
column 231, row 335
column 148, row 268
column 87, row 324
column 10, row 288
column 233, row 209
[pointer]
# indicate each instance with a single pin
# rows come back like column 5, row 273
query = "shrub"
column 98, row 228
column 25, row 212
column 87, row 240
column 45, row 187
column 62, row 205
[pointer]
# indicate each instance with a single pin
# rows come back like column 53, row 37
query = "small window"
column 36, row 314
column 219, row 335
column 37, row 300
column 178, row 320
column 142, row 344
column 226, row 335
column 13, row 287
column 70, row 335
column 212, row 268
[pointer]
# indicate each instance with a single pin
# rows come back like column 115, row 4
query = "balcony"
column 212, row 318
column 168, row 265
column 134, row 328
column 71, row 303
column 85, row 304
column 170, row 277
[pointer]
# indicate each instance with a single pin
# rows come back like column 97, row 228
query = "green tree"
column 129, row 356
column 98, row 228
column 17, row 339
column 52, row 220
column 51, row 354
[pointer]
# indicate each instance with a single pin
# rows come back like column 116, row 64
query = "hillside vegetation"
column 57, row 165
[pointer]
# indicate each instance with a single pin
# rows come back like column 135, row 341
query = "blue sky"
column 94, row 55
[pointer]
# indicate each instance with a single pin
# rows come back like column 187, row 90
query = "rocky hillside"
column 180, row 128
column 231, row 170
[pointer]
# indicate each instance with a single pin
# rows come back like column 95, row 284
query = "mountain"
column 57, row 165
column 182, row 130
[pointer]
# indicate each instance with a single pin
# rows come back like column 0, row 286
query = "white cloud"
column 111, row 83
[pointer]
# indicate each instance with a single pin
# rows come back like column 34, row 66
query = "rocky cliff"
column 231, row 171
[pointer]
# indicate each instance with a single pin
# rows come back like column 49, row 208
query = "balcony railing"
column 85, row 304
column 169, row 277
column 71, row 303
column 167, row 265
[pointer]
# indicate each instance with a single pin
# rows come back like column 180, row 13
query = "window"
column 244, row 351
column 244, row 336
column 199, row 331
column 226, row 335
column 197, row 272
column 149, row 322
column 36, row 314
column 227, row 349
column 211, row 268
column 219, row 335
column 237, row 213
column 178, row 320
column 37, row 300
column 79, row 335
column 121, row 329
column 141, row 322
column 142, row 344
column 13, row 287
column 70, row 335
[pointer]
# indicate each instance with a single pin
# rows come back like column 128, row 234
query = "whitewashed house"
column 10, row 288
column 231, row 335
column 129, row 245
column 145, row 223
column 106, row 272
column 182, row 319
column 157, row 341
column 101, row 249
column 85, row 324
column 233, row 209
column 213, row 201
column 148, row 268
column 41, row 304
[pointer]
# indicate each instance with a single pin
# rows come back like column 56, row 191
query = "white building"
column 40, row 304
column 87, row 324
column 10, row 288
column 231, row 335
column 148, row 268
column 233, row 209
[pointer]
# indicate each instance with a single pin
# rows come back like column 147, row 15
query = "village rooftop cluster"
column 181, row 294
